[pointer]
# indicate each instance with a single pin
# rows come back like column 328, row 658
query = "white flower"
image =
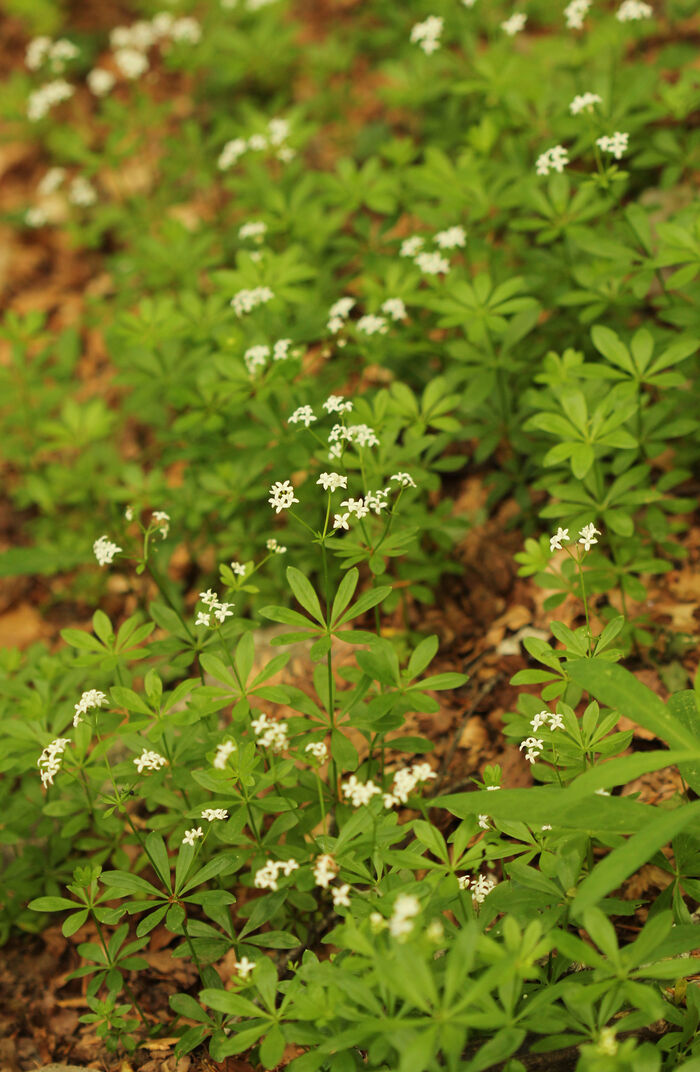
column 324, row 871
column 272, row 545
column 214, row 814
column 482, row 888
column 335, row 324
column 42, row 100
column 377, row 922
column 105, row 550
column 463, row 882
column 238, row 568
column 203, row 619
column 100, row 81
column 37, row 52
column 209, row 598
column 131, row 62
column 514, row 24
column 340, row 521
column 632, row 10
column 359, row 793
column 617, row 143
column 404, row 479
column 560, row 536
column 451, row 238
column 270, row 734
column 411, row 246
column 186, row 29
column 483, row 822
column 431, row 263
column 91, row 698
column 342, row 307
column 162, row 23
column 278, row 128
column 546, row 826
column 62, row 52
column 162, row 520
column 192, row 835
column 35, row 217
column 282, row 496
column 584, row 102
column 541, row 719
column 81, row 192
column 246, row 300
column 230, row 153
column 406, row 907
column 556, row 722
column 426, row 34
column 149, row 761
column 49, row 762
column 534, row 746
column 252, row 229
column 129, row 513
column 340, row 896
column 257, row 142
column 372, row 325
column 280, row 351
column 335, row 404
column 224, row 750
column 554, row 159
column 395, row 308
column 588, row 536
column 266, row 877
column 244, row 967
column 303, row 415
column 405, row 781
column 318, row 750
column 332, row 481
column 575, row 13
column 492, row 788
column 51, row 181
column 222, row 611
column 256, row 357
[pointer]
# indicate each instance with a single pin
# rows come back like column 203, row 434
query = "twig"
column 447, row 759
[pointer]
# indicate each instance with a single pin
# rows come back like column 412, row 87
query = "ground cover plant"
column 331, row 268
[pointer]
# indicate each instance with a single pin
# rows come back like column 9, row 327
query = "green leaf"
column 684, row 707
column 51, row 904
column 367, row 600
column 304, row 593
column 628, row 858
column 343, row 751
column 619, row 689
column 124, row 880
column 228, row 1002
column 74, row 922
column 346, row 590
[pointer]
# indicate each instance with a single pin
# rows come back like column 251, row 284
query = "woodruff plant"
column 464, row 950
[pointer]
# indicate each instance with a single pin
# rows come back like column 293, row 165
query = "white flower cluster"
column 161, row 520
column 237, row 568
column 256, row 357
column 584, row 102
column 616, row 143
column 224, row 750
column 49, row 762
column 587, row 537
column 253, row 229
column 91, row 698
column 100, row 81
column 359, row 793
column 534, row 746
column 276, row 138
column 633, row 10
column 81, row 192
column 282, row 496
column 247, row 300
column 372, row 325
column 336, row 404
column 554, row 159
column 340, row 896
column 221, row 611
column 549, row 719
column 405, row 781
column 395, row 308
column 276, row 548
column 481, row 888
column 338, row 314
column 575, row 12
column 325, row 870
column 192, row 835
column 266, row 877
column 360, row 435
column 270, row 734
column 427, row 34
column 402, row 921
column 318, row 750
column 332, row 481
column 214, row 814
column 42, row 50
column 40, row 102
column 514, row 24
column 105, row 550
column 303, row 415
column 433, row 263
column 151, row 761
